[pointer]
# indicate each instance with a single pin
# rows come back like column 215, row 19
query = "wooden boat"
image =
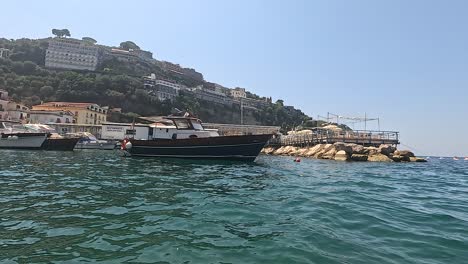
column 54, row 141
column 61, row 144
column 185, row 137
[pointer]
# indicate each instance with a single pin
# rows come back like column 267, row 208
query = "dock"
column 326, row 136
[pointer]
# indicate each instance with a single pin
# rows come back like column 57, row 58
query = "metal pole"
column 365, row 121
column 241, row 111
column 378, row 122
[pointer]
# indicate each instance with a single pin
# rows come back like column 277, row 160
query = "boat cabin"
column 175, row 127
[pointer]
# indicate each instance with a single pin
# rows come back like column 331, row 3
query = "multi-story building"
column 3, row 95
column 123, row 55
column 13, row 111
column 4, row 53
column 210, row 95
column 84, row 113
column 238, row 92
column 10, row 110
column 162, row 89
column 73, row 54
column 143, row 54
column 45, row 117
column 127, row 55
column 176, row 68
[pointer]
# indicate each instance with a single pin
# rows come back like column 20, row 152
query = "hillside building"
column 176, row 68
column 10, row 110
column 73, row 54
column 238, row 92
column 83, row 113
column 4, row 53
column 46, row 117
column 210, row 95
column 162, row 89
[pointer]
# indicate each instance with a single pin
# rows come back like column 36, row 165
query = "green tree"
column 61, row 32
column 46, row 91
column 128, row 45
column 89, row 40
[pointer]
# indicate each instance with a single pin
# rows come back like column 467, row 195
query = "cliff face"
column 117, row 84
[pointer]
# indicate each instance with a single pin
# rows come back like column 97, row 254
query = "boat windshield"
column 197, row 125
column 182, row 124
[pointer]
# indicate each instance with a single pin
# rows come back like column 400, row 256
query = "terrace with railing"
column 327, row 136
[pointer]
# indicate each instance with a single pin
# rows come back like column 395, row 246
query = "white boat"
column 89, row 141
column 16, row 136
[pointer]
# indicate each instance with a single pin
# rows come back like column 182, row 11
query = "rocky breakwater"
column 347, row 152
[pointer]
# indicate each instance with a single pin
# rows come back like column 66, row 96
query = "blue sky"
column 403, row 61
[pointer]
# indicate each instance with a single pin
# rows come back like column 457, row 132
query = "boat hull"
column 101, row 146
column 60, row 144
column 245, row 148
column 22, row 140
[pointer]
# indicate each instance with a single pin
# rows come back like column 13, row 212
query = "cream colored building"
column 84, row 113
column 238, row 93
column 74, row 54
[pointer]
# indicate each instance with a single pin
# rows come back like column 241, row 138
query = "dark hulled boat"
column 60, row 144
column 222, row 147
column 185, row 137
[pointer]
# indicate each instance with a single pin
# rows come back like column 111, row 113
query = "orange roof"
column 63, row 104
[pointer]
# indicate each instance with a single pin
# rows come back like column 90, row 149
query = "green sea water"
column 95, row 206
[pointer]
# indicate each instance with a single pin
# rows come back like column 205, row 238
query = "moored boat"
column 89, row 141
column 54, row 141
column 185, row 137
column 61, row 144
column 14, row 136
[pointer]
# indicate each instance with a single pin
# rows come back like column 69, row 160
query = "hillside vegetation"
column 117, row 85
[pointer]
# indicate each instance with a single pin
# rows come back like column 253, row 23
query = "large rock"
column 379, row 158
column 358, row 149
column 324, row 150
column 279, row 151
column 268, row 150
column 386, row 149
column 290, row 150
column 341, row 155
column 301, row 152
column 416, row 159
column 399, row 158
column 339, row 146
column 359, row 157
column 329, row 154
column 405, row 153
column 313, row 150
column 371, row 151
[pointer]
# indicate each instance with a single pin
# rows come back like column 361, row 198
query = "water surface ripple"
column 95, row 206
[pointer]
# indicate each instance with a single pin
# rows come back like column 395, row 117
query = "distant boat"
column 89, row 141
column 455, row 158
column 466, row 158
column 441, row 158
